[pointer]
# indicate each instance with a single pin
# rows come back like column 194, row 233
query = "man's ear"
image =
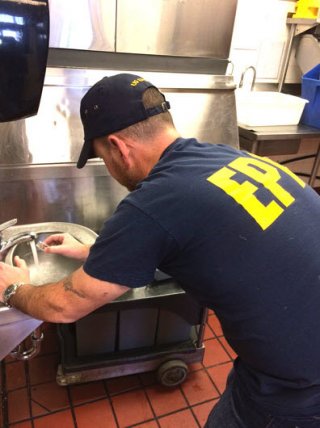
column 121, row 147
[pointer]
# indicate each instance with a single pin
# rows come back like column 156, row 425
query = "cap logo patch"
column 135, row 82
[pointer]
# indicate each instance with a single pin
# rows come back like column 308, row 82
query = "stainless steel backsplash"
column 38, row 177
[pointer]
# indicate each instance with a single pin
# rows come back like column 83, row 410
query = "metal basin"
column 15, row 326
column 50, row 267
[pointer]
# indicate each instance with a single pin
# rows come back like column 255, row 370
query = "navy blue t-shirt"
column 242, row 235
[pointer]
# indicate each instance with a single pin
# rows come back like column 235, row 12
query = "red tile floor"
column 31, row 397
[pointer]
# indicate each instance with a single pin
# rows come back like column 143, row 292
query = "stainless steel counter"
column 284, row 132
column 280, row 140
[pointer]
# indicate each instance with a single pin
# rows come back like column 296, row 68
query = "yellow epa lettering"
column 135, row 82
column 283, row 168
column 264, row 172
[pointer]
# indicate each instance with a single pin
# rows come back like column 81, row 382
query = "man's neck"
column 159, row 145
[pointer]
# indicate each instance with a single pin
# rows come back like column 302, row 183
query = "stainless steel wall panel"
column 39, row 181
column 203, row 106
column 192, row 28
column 198, row 28
column 198, row 113
column 83, row 24
column 65, row 196
column 54, row 135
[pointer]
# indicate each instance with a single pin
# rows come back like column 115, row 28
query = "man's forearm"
column 64, row 301
column 55, row 302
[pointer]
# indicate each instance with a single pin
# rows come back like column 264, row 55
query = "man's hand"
column 67, row 246
column 11, row 274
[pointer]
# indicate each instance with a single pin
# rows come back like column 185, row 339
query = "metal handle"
column 7, row 224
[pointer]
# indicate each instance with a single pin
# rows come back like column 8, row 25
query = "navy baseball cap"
column 112, row 104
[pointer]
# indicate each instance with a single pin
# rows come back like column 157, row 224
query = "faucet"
column 5, row 245
column 254, row 73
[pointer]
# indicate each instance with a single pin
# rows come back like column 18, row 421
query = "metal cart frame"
column 170, row 359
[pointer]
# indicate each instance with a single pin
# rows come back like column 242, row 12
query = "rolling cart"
column 154, row 328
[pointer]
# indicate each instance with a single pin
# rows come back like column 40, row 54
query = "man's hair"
column 150, row 127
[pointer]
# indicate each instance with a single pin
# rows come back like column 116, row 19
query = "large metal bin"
column 158, row 327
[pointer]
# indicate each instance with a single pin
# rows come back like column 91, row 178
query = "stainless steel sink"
column 51, row 267
column 15, row 326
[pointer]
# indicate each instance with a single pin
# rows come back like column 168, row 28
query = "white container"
column 267, row 108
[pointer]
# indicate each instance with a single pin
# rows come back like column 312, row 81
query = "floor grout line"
column 72, row 407
column 111, row 403
column 28, row 385
column 143, row 385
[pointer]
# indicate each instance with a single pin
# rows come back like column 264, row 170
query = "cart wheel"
column 172, row 373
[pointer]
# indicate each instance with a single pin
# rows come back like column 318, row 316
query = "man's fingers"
column 20, row 263
column 54, row 239
column 53, row 249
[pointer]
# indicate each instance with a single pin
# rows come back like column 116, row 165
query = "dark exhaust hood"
column 24, row 42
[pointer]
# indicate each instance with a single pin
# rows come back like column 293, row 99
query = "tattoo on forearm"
column 68, row 286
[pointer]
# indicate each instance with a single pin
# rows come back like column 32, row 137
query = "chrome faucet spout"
column 15, row 240
column 254, row 73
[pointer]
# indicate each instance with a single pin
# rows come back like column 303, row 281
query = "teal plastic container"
column 310, row 90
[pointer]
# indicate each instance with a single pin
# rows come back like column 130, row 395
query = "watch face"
column 9, row 292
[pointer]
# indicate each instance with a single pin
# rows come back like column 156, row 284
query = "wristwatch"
column 9, row 292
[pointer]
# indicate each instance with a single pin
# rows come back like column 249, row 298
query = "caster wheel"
column 172, row 373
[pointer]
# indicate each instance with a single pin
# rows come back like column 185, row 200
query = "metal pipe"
column 315, row 168
column 25, row 355
column 254, row 73
column 286, row 57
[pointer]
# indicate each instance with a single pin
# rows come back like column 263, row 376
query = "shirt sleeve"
column 130, row 248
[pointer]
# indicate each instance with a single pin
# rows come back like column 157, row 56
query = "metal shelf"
column 297, row 26
column 71, row 58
